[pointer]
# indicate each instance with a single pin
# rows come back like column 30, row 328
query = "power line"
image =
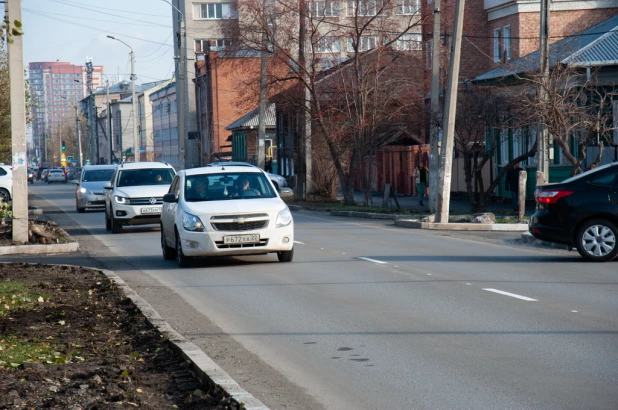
column 89, row 18
column 70, row 3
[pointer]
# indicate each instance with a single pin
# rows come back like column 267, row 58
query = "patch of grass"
column 16, row 295
column 15, row 351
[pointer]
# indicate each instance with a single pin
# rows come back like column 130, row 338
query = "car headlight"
column 122, row 200
column 84, row 191
column 192, row 223
column 284, row 218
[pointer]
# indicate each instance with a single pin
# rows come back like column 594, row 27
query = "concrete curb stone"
column 208, row 371
column 29, row 249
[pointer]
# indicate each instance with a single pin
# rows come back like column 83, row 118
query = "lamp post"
column 182, row 87
column 136, row 142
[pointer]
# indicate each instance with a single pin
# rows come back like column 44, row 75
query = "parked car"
column 44, row 175
column 277, row 180
column 580, row 212
column 39, row 173
column 236, row 213
column 6, row 183
column 31, row 175
column 134, row 195
column 90, row 191
column 56, row 175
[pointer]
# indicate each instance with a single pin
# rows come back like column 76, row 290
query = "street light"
column 136, row 147
column 182, row 87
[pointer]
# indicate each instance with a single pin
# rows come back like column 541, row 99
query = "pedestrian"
column 421, row 178
column 512, row 184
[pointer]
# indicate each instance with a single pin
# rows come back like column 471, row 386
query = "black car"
column 581, row 212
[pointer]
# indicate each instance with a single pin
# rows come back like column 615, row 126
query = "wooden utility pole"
column 434, row 151
column 18, row 126
column 542, row 173
column 304, row 176
column 448, row 120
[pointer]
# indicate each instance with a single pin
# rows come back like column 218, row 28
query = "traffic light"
column 63, row 146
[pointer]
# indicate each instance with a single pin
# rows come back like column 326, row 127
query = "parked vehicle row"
column 227, row 210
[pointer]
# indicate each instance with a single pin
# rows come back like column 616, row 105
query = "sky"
column 71, row 30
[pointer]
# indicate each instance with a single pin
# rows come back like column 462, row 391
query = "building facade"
column 55, row 89
column 165, row 125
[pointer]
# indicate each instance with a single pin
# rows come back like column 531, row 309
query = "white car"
column 90, row 191
column 6, row 183
column 56, row 175
column 224, row 219
column 135, row 194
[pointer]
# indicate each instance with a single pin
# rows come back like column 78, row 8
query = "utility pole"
column 263, row 96
column 448, row 120
column 109, row 122
column 79, row 139
column 542, row 173
column 305, row 121
column 18, row 126
column 60, row 143
column 136, row 144
column 434, row 151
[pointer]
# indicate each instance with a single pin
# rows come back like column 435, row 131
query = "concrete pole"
column 109, row 123
column 521, row 197
column 263, row 102
column 79, row 139
column 448, row 121
column 136, row 145
column 18, row 127
column 434, row 151
column 542, row 174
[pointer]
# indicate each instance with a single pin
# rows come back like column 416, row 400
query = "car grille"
column 237, row 223
column 146, row 201
column 221, row 245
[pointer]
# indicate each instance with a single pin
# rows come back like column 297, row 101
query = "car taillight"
column 551, row 197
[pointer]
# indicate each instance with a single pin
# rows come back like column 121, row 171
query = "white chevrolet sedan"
column 224, row 211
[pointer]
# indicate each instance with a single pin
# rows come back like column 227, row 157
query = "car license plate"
column 151, row 210
column 241, row 239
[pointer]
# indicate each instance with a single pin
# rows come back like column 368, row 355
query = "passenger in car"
column 199, row 189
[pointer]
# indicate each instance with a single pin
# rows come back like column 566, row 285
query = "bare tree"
column 360, row 66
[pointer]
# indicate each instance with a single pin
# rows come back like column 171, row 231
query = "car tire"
column 116, row 225
column 4, row 195
column 169, row 253
column 108, row 222
column 182, row 260
column 285, row 256
column 595, row 240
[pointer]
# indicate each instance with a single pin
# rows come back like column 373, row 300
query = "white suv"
column 135, row 194
column 224, row 211
column 6, row 183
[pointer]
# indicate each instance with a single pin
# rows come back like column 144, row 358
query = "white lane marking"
column 574, row 311
column 300, row 243
column 513, row 295
column 370, row 260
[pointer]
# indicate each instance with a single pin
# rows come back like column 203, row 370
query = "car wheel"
column 4, row 195
column 285, row 256
column 181, row 259
column 169, row 253
column 116, row 225
column 108, row 222
column 596, row 240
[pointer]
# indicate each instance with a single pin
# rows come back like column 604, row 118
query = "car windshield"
column 100, row 175
column 140, row 177
column 591, row 171
column 227, row 186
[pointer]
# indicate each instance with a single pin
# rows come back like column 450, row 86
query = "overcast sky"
column 70, row 30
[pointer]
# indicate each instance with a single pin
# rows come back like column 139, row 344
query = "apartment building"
column 55, row 87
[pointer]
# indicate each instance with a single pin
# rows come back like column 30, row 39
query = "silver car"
column 56, row 175
column 90, row 192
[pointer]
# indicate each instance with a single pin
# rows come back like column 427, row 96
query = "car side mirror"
column 108, row 185
column 286, row 193
column 171, row 197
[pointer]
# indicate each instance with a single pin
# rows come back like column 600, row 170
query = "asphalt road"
column 371, row 316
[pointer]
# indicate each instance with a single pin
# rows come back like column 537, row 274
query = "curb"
column 208, row 371
column 39, row 249
column 416, row 224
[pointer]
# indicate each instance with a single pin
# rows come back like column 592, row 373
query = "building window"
column 328, row 44
column 362, row 8
column 506, row 33
column 213, row 11
column 365, row 43
column 407, row 7
column 202, row 46
column 409, row 42
column 497, row 45
column 324, row 9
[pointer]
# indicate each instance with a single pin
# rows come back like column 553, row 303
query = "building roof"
column 158, row 93
column 595, row 46
column 125, row 87
column 251, row 119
